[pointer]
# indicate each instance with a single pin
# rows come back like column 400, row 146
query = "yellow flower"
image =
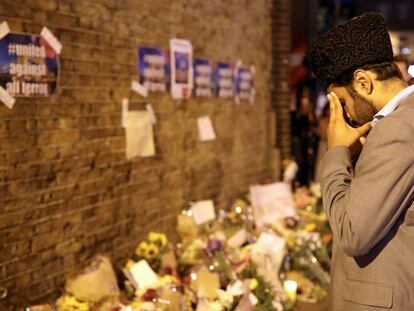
column 158, row 238
column 253, row 284
column 310, row 227
column 290, row 241
column 129, row 264
column 142, row 248
column 152, row 251
column 68, row 303
column 167, row 279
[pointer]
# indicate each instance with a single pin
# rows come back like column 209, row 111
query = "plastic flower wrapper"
column 267, row 298
column 267, row 255
column 96, row 284
column 70, row 303
column 187, row 228
column 193, row 253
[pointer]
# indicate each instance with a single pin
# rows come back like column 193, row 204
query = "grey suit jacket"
column 371, row 212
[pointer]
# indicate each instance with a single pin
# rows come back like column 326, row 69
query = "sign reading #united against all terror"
column 28, row 65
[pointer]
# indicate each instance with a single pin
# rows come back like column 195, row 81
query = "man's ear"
column 363, row 82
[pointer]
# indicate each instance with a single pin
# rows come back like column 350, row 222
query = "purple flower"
column 214, row 245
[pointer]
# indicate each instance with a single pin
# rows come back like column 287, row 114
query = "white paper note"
column 271, row 203
column 125, row 105
column 139, row 88
column 6, row 98
column 205, row 129
column 151, row 113
column 139, row 135
column 51, row 39
column 143, row 275
column 203, row 211
column 4, row 29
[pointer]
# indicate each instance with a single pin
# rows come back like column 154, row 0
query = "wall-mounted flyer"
column 29, row 66
column 203, row 77
column 181, row 55
column 153, row 68
column 225, row 80
column 244, row 80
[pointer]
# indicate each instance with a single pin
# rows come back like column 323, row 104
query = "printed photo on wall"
column 28, row 65
column 153, row 68
column 181, row 53
column 225, row 80
column 244, row 80
column 203, row 77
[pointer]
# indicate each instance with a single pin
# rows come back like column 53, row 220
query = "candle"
column 291, row 288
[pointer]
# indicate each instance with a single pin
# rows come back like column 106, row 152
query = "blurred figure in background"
column 305, row 128
column 402, row 64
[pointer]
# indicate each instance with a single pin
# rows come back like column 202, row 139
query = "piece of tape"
column 4, row 30
column 51, row 39
column 139, row 88
column 253, row 70
column 151, row 113
column 125, row 104
column 6, row 98
column 237, row 99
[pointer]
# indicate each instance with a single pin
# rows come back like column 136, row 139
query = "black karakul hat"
column 357, row 42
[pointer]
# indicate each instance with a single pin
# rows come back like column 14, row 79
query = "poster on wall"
column 181, row 55
column 244, row 80
column 29, row 66
column 225, row 80
column 153, row 68
column 203, row 77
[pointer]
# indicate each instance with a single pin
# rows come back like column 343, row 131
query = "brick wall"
column 281, row 96
column 66, row 190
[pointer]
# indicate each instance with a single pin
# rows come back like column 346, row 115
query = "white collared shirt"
column 392, row 105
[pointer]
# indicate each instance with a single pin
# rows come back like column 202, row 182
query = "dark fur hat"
column 357, row 42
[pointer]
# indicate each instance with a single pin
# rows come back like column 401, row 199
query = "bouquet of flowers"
column 151, row 249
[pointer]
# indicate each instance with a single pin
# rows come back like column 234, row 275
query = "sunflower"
column 152, row 251
column 158, row 238
column 142, row 249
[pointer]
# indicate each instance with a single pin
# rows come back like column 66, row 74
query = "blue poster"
column 28, row 65
column 244, row 84
column 154, row 68
column 225, row 80
column 203, row 77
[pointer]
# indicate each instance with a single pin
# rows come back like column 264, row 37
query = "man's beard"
column 364, row 109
